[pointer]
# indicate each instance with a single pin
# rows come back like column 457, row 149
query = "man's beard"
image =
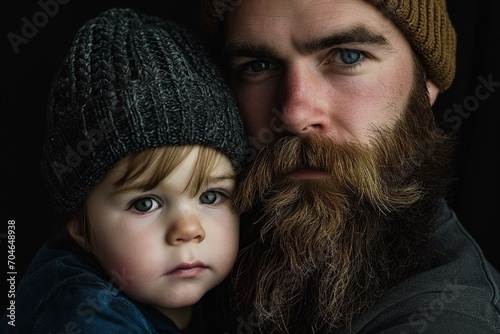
column 318, row 253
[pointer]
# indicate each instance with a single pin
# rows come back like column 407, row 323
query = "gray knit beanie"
column 131, row 82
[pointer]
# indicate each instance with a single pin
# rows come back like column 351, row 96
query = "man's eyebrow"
column 357, row 34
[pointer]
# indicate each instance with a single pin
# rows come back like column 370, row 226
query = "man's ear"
column 433, row 91
column 75, row 230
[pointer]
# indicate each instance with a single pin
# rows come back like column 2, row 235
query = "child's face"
column 166, row 247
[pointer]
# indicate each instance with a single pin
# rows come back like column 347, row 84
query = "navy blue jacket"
column 65, row 290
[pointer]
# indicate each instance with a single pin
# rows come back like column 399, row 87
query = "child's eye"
column 258, row 66
column 211, row 197
column 145, row 204
column 255, row 69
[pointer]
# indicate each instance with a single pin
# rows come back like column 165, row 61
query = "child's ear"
column 75, row 230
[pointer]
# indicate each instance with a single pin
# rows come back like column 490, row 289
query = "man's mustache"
column 352, row 167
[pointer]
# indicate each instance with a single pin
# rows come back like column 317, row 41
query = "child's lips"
column 188, row 269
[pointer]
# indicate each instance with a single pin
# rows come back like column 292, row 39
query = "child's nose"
column 186, row 227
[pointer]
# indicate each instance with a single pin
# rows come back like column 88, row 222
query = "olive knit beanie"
column 131, row 82
column 425, row 23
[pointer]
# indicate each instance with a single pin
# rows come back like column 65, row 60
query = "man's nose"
column 305, row 102
column 185, row 227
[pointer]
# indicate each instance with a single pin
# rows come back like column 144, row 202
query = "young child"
column 143, row 144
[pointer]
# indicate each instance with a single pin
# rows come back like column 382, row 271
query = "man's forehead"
column 307, row 26
column 257, row 18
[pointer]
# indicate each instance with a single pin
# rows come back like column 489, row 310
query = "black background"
column 26, row 77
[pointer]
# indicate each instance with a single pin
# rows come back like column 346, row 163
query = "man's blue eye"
column 350, row 56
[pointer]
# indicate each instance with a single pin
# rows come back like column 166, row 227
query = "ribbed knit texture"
column 131, row 82
column 425, row 23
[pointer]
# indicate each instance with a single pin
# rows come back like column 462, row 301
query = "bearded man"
column 345, row 224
